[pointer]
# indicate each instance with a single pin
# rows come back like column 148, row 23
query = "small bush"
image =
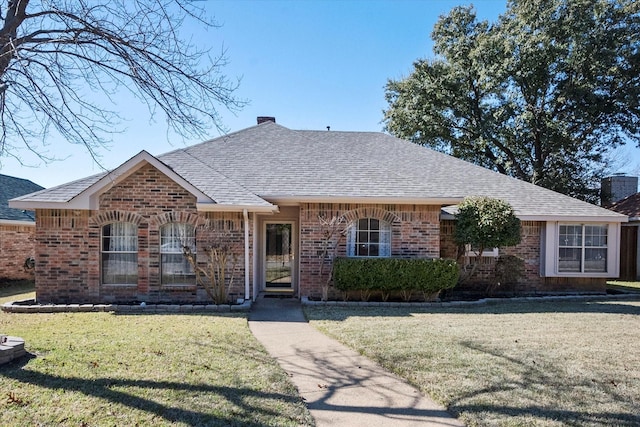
column 388, row 275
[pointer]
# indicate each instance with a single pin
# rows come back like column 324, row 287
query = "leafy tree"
column 485, row 222
column 543, row 94
column 58, row 56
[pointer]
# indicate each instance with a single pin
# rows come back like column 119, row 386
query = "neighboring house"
column 116, row 236
column 630, row 238
column 17, row 229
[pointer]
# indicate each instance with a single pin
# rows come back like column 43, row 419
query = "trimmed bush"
column 388, row 275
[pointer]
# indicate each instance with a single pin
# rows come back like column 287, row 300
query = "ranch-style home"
column 118, row 236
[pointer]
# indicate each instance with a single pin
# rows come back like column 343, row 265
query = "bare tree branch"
column 56, row 55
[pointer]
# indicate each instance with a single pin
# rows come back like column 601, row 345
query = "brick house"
column 17, row 229
column 116, row 236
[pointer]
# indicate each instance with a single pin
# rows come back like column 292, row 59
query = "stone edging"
column 16, row 307
column 474, row 303
column 11, row 348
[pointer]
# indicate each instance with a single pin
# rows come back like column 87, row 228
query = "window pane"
column 570, row 235
column 373, row 250
column 595, row 235
column 119, row 253
column 570, row 260
column 363, row 236
column 595, row 260
column 175, row 269
column 119, row 268
column 362, row 250
column 369, row 237
column 363, row 224
column 374, row 224
column 374, row 237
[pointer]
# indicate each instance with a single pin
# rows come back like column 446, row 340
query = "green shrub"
column 388, row 275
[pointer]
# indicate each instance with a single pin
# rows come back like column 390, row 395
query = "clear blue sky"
column 311, row 64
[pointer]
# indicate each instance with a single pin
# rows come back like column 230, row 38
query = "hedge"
column 387, row 275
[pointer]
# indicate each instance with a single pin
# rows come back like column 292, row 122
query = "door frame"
column 263, row 252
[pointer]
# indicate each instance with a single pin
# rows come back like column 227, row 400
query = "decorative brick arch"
column 107, row 217
column 175, row 216
column 371, row 212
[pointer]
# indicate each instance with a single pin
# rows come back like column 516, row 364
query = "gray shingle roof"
column 11, row 187
column 273, row 163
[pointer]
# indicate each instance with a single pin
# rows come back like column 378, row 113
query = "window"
column 120, row 253
column 472, row 251
column 582, row 248
column 369, row 237
column 175, row 269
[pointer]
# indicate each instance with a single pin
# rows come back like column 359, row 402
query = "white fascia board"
column 576, row 218
column 17, row 222
column 218, row 207
column 293, row 200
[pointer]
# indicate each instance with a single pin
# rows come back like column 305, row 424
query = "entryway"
column 279, row 257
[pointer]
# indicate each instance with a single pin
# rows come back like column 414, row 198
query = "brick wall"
column 17, row 243
column 415, row 232
column 529, row 250
column 68, row 243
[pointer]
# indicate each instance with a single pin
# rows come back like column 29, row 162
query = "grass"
column 180, row 370
column 512, row 364
column 621, row 285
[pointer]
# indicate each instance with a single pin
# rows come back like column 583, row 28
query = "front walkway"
column 340, row 387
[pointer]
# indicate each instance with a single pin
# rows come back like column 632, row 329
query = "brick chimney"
column 265, row 119
column 617, row 187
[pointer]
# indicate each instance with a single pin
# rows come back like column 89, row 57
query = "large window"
column 119, row 253
column 582, row 248
column 369, row 237
column 176, row 270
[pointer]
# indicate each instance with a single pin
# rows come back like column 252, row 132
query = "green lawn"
column 626, row 286
column 94, row 369
column 511, row 364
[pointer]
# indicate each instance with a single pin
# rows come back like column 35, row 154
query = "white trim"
column 17, row 222
column 217, row 207
column 256, row 276
column 293, row 200
column 550, row 248
column 245, row 214
column 486, row 253
column 573, row 219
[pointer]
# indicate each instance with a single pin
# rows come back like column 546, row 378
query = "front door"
column 279, row 258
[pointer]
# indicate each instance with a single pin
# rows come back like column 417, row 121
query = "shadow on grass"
column 506, row 306
column 9, row 288
column 539, row 378
column 245, row 412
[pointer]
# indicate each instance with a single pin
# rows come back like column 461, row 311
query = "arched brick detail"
column 107, row 217
column 371, row 212
column 175, row 216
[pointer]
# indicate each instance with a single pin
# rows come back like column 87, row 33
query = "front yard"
column 104, row 369
column 512, row 364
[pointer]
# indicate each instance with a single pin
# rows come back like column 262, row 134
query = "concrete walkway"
column 340, row 387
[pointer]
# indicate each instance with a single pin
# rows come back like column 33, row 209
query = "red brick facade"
column 528, row 250
column 68, row 248
column 415, row 232
column 68, row 243
column 17, row 243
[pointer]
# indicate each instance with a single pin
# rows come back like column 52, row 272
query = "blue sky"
column 311, row 64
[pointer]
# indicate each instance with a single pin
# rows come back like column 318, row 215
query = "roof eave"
column 221, row 207
column 17, row 222
column 292, row 200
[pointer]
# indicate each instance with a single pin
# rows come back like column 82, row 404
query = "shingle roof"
column 629, row 206
column 269, row 162
column 11, row 187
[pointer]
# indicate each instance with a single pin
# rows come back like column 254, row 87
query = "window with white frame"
column 369, row 237
column 175, row 269
column 582, row 248
column 119, row 253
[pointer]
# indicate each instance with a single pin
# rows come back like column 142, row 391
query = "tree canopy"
column 543, row 94
column 59, row 57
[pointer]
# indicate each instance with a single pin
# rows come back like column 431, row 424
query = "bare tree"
column 58, row 56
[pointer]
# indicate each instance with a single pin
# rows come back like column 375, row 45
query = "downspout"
column 245, row 214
